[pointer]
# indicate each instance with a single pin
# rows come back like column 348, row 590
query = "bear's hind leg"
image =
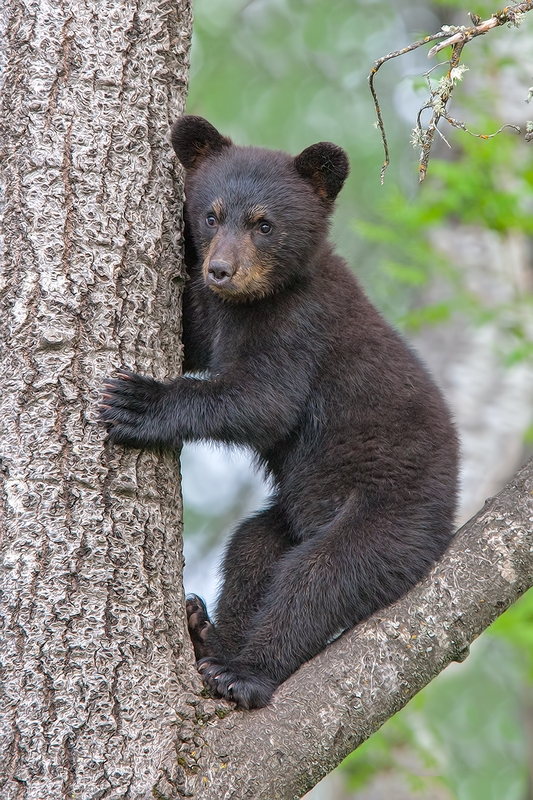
column 248, row 568
column 321, row 587
column 247, row 571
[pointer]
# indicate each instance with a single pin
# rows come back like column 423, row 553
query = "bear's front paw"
column 236, row 683
column 131, row 409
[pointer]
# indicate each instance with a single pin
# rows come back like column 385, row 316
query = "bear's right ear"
column 194, row 138
column 325, row 166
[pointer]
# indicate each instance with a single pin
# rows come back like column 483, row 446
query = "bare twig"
column 373, row 72
column 442, row 92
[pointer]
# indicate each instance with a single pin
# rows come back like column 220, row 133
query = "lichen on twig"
column 455, row 37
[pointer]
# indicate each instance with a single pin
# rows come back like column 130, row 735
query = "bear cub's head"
column 258, row 218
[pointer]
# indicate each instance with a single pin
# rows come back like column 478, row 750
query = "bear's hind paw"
column 200, row 626
column 238, row 684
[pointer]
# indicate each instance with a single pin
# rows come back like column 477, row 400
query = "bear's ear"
column 325, row 166
column 193, row 138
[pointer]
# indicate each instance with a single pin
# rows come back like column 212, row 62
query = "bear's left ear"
column 325, row 166
column 194, row 138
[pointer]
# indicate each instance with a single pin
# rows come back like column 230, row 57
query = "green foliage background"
column 286, row 73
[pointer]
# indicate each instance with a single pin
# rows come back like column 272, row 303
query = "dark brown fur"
column 300, row 367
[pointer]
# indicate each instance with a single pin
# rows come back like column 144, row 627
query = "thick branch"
column 333, row 703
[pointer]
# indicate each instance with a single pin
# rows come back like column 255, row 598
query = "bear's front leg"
column 234, row 409
column 137, row 411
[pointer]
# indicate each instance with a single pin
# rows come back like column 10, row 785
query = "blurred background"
column 451, row 264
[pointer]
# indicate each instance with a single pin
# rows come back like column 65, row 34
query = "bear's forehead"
column 252, row 161
column 247, row 176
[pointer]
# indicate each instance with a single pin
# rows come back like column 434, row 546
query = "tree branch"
column 441, row 94
column 336, row 701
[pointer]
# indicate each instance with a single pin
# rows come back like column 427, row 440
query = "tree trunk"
column 99, row 694
column 96, row 664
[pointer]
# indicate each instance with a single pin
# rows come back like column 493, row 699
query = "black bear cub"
column 293, row 361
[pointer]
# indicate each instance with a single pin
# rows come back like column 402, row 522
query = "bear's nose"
column 219, row 272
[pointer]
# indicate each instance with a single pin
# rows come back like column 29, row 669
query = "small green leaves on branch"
column 440, row 93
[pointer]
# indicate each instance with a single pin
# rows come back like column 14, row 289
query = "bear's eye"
column 265, row 227
column 211, row 221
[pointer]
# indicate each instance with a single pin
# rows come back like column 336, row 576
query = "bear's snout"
column 220, row 272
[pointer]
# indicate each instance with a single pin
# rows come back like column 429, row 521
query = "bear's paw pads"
column 197, row 618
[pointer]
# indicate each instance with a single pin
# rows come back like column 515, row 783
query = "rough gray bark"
column 99, row 695
column 94, row 669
